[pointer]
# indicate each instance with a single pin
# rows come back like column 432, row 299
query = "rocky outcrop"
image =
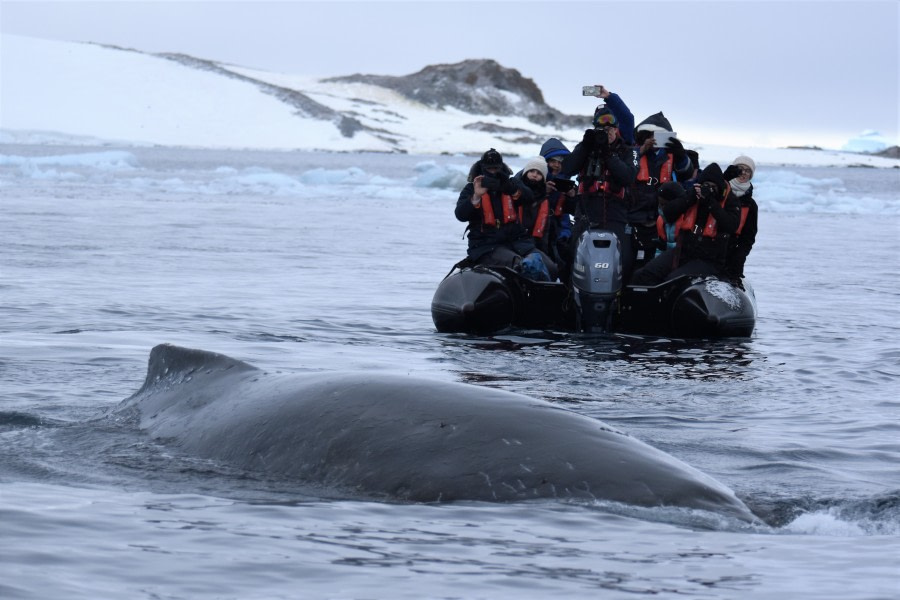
column 892, row 152
column 478, row 87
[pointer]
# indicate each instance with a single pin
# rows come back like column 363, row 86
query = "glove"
column 675, row 146
column 509, row 186
column 732, row 172
column 589, row 139
column 691, row 197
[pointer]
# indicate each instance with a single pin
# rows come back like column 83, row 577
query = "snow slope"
column 79, row 93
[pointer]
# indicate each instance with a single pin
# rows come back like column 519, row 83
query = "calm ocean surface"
column 304, row 262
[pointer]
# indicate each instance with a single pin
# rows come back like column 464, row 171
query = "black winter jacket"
column 741, row 243
column 695, row 245
column 644, row 199
column 617, row 165
column 484, row 238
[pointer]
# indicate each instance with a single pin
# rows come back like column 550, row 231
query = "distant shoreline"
column 792, row 156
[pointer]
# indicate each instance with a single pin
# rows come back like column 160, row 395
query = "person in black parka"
column 705, row 219
column 605, row 164
column 490, row 203
column 661, row 159
column 739, row 175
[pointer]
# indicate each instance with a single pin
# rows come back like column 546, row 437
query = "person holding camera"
column 738, row 175
column 537, row 216
column 605, row 164
column 560, row 189
column 704, row 220
column 490, row 202
column 662, row 158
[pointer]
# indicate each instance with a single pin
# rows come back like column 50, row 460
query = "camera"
column 563, row 185
column 491, row 183
column 663, row 137
column 709, row 191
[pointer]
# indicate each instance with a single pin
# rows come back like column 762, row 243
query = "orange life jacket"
column 688, row 221
column 509, row 211
column 561, row 200
column 540, row 221
column 744, row 210
column 665, row 170
column 597, row 186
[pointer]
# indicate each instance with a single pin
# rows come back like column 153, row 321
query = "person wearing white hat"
column 536, row 216
column 739, row 176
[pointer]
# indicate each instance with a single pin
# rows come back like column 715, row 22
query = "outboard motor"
column 596, row 279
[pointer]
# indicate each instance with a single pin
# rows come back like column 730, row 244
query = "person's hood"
column 656, row 122
column 713, row 173
column 553, row 147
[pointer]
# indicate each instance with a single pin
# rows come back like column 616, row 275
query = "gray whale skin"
column 405, row 438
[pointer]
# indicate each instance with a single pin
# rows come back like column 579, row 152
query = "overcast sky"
column 756, row 72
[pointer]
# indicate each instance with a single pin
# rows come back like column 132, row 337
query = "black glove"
column 691, row 197
column 732, row 172
column 675, row 146
column 509, row 186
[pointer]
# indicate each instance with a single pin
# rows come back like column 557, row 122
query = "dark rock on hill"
column 892, row 152
column 478, row 87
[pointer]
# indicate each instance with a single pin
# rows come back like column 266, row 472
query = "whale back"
column 170, row 368
column 170, row 364
column 405, row 438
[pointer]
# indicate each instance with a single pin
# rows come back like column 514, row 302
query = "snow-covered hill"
column 81, row 93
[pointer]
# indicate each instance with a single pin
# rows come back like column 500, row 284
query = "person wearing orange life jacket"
column 606, row 166
column 738, row 176
column 705, row 218
column 667, row 233
column 490, row 203
column 536, row 216
column 559, row 190
column 661, row 159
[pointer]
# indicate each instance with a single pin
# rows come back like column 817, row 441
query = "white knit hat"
column 745, row 160
column 538, row 164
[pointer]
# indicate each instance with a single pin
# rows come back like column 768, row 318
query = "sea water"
column 304, row 262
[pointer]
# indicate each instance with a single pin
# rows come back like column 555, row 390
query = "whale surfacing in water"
column 405, row 438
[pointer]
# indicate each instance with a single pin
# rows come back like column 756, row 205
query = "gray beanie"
column 745, row 160
column 538, row 164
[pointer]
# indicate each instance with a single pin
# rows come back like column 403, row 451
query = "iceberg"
column 868, row 141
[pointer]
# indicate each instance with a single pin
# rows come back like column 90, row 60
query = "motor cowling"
column 596, row 279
